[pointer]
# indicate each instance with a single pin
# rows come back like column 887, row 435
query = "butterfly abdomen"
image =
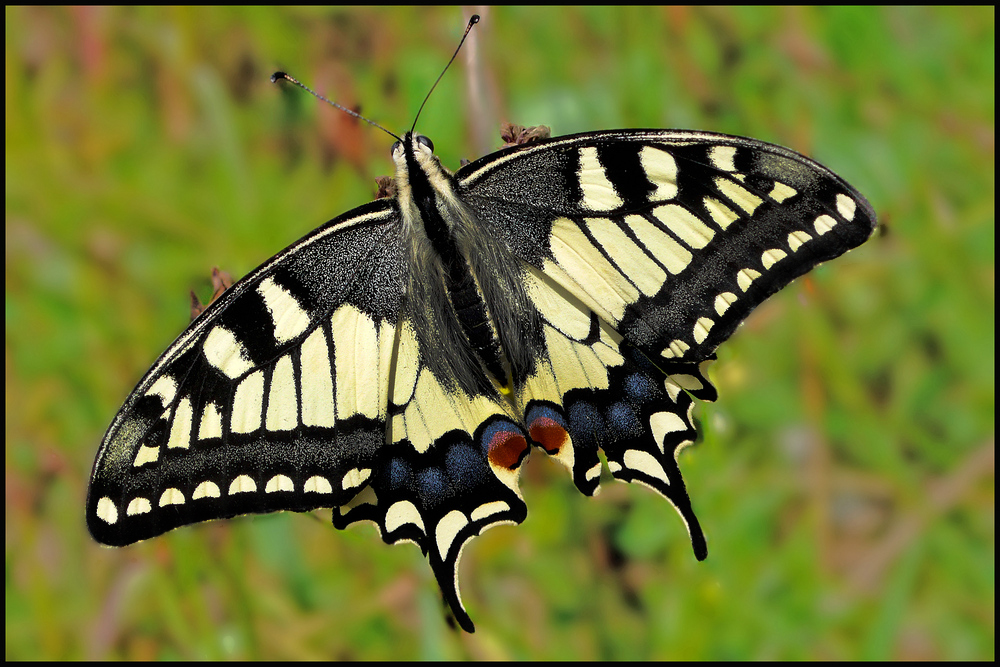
column 475, row 321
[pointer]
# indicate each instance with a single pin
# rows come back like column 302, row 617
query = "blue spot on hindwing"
column 432, row 485
column 624, row 421
column 465, row 468
column 400, row 474
column 586, row 423
column 641, row 387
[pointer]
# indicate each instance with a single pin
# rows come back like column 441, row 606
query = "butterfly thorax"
column 461, row 301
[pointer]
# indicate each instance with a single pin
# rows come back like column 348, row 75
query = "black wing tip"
column 107, row 536
column 869, row 212
column 114, row 535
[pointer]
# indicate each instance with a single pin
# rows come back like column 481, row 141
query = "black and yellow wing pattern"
column 399, row 363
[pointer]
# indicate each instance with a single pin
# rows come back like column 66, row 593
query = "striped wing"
column 307, row 385
column 643, row 250
column 447, row 472
column 275, row 398
column 304, row 387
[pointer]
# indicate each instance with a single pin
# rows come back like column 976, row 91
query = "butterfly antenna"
column 473, row 21
column 281, row 75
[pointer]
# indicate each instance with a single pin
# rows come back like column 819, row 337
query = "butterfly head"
column 414, row 151
column 418, row 170
column 419, row 141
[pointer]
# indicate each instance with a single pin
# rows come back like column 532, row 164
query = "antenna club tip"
column 474, row 20
column 278, row 75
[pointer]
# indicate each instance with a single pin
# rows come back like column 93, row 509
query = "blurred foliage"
column 846, row 476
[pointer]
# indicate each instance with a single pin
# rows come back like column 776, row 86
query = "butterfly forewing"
column 672, row 237
column 258, row 406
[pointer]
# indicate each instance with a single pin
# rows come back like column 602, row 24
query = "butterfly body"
column 464, row 292
column 398, row 363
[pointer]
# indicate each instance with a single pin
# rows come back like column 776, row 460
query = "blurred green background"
column 845, row 479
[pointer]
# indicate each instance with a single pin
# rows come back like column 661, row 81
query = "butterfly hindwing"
column 448, row 468
column 592, row 390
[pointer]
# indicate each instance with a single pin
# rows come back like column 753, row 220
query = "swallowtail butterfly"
column 399, row 362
